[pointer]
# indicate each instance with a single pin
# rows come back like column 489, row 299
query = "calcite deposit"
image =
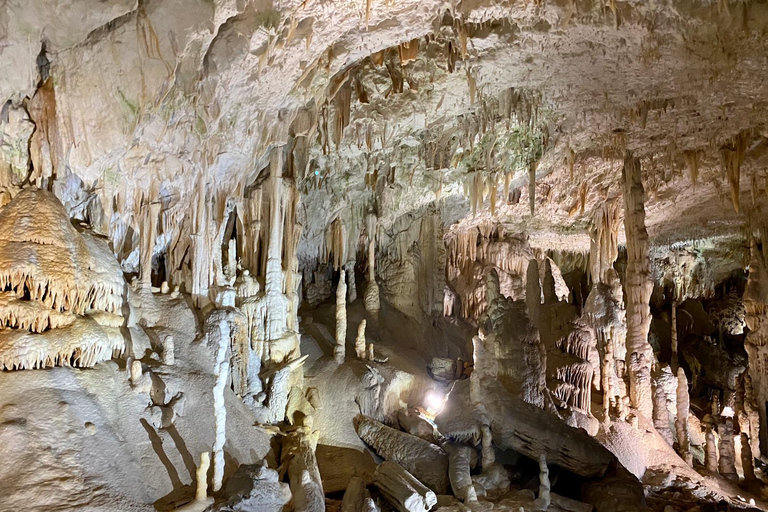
column 383, row 255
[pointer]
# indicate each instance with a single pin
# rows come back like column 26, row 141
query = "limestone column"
column 341, row 318
column 371, row 298
column 727, row 462
column 756, row 342
column 151, row 212
column 638, row 286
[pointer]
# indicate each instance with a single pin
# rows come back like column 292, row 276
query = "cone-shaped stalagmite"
column 638, row 286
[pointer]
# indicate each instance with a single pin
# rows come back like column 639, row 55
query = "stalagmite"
column 661, row 414
column 673, row 335
column 201, row 494
column 459, row 460
column 710, row 456
column 371, row 354
column 140, row 382
column 747, row 462
column 341, row 319
column 303, row 474
column 402, row 489
column 544, row 498
column 219, row 409
column 607, row 380
column 638, row 285
column 727, row 462
column 681, row 423
column 201, row 501
column 169, row 349
column 360, row 345
column 756, row 342
column 422, row 459
column 357, row 498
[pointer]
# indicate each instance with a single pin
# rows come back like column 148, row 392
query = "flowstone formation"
column 377, row 256
column 62, row 291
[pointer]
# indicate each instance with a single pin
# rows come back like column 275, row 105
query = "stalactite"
column 408, row 51
column 570, row 160
column 731, row 160
column 604, row 240
column 341, row 319
column 351, row 286
column 639, row 286
column 692, row 161
column 150, row 213
column 532, row 186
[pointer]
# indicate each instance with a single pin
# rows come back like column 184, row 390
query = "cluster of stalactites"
column 85, row 356
column 578, row 378
column 604, row 240
column 60, row 301
column 336, row 244
column 487, row 243
column 575, row 388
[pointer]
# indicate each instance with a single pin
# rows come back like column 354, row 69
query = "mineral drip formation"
column 638, row 288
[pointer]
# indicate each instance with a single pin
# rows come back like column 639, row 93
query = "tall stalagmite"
column 638, row 286
column 756, row 341
column 341, row 318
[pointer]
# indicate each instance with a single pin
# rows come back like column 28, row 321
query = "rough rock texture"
column 425, row 461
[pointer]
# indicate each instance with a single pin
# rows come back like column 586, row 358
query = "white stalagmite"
column 201, row 501
column 638, row 285
column 140, row 382
column 681, row 423
column 169, row 348
column 219, row 409
column 201, row 493
column 371, row 354
column 339, row 350
column 360, row 346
